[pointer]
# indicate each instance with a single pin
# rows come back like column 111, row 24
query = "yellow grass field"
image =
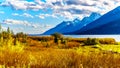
column 48, row 52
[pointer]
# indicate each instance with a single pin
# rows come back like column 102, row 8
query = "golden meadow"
column 56, row 51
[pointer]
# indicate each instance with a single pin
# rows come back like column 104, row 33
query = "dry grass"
column 13, row 56
column 47, row 54
column 53, row 58
column 60, row 58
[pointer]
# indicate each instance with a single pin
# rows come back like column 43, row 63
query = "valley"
column 59, row 34
column 58, row 51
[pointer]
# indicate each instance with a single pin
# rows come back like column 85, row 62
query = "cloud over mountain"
column 49, row 12
column 74, row 8
column 42, row 16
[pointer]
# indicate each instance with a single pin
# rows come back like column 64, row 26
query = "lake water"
column 116, row 37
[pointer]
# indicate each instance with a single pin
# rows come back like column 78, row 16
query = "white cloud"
column 4, row 28
column 78, row 8
column 24, row 15
column 65, row 14
column 18, row 22
column 65, row 8
column 21, row 5
column 37, row 25
column 25, row 23
column 42, row 16
column 47, row 26
column 30, row 28
column 15, row 14
column 27, row 15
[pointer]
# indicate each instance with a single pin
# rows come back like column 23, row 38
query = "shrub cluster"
column 91, row 41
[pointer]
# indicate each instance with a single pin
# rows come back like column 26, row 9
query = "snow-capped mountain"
column 109, row 23
column 79, row 24
column 76, row 24
column 57, row 28
column 69, row 26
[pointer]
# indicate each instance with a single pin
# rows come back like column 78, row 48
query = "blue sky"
column 37, row 16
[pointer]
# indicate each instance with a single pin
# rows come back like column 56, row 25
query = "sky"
column 37, row 16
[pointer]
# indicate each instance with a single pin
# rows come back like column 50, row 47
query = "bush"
column 57, row 37
column 107, row 41
column 21, row 37
column 91, row 41
column 41, row 38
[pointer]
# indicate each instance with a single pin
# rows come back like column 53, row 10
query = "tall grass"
column 13, row 56
column 59, row 58
column 40, row 53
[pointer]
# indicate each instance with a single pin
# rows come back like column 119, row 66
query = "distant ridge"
column 109, row 23
column 66, row 27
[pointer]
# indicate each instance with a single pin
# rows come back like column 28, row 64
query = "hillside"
column 70, row 26
column 106, row 24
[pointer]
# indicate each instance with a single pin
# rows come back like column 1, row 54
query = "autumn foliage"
column 56, row 51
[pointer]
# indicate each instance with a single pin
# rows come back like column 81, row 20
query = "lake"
column 116, row 37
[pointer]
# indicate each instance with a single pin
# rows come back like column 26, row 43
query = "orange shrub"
column 69, row 45
column 77, row 39
column 107, row 41
column 41, row 38
column 73, row 44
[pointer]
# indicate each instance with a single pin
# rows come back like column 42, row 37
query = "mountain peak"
column 76, row 20
column 70, row 26
column 109, row 23
column 93, row 14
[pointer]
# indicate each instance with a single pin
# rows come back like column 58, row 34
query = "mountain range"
column 108, row 23
column 70, row 26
